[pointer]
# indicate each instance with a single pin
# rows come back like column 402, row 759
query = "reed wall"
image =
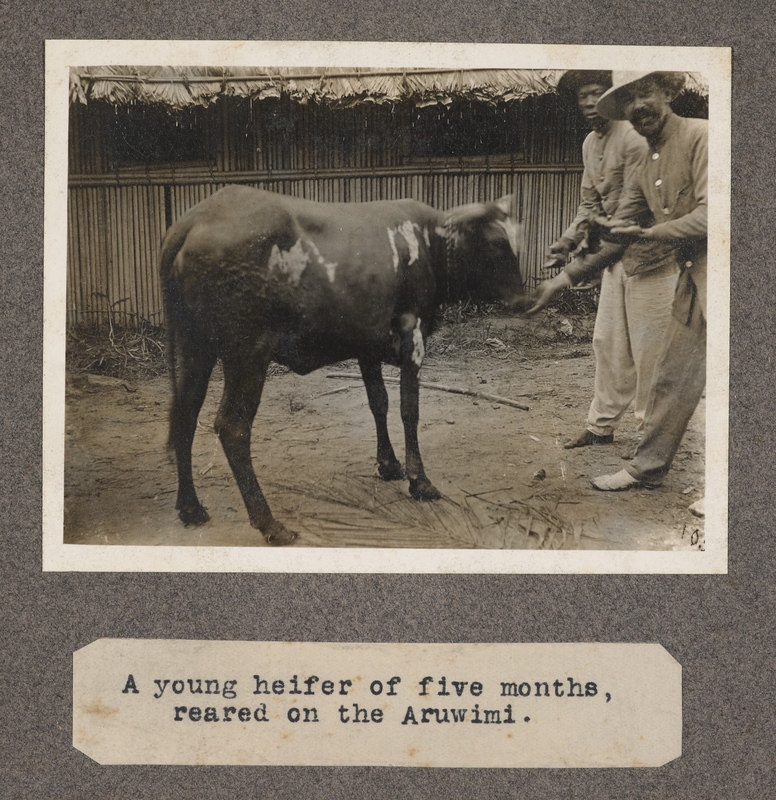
column 134, row 170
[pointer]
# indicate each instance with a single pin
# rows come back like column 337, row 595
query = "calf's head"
column 484, row 246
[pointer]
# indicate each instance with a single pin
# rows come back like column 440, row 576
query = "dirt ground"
column 507, row 482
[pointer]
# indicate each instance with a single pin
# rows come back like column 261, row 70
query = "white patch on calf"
column 329, row 266
column 291, row 263
column 426, row 237
column 407, row 230
column 395, row 251
column 418, row 349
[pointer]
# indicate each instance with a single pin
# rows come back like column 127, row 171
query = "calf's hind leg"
column 193, row 367
column 243, row 383
column 387, row 464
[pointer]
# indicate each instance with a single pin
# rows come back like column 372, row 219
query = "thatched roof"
column 181, row 87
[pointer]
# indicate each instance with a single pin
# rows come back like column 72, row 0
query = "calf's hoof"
column 390, row 471
column 278, row 535
column 194, row 516
column 423, row 490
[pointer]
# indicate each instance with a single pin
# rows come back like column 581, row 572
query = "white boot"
column 616, row 482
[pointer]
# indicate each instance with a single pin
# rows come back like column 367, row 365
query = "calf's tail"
column 175, row 312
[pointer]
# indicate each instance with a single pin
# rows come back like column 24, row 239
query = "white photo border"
column 715, row 65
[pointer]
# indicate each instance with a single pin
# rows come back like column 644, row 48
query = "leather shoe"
column 586, row 438
column 618, row 482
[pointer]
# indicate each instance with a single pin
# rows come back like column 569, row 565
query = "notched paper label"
column 426, row 705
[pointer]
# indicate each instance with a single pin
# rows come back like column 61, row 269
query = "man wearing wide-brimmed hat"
column 634, row 307
column 670, row 182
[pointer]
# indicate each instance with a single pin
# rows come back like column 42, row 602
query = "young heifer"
column 251, row 276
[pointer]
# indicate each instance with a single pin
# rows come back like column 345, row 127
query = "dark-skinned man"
column 670, row 182
column 634, row 308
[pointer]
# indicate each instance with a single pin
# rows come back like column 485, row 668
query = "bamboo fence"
column 115, row 232
column 118, row 210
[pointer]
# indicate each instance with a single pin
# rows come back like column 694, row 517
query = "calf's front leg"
column 412, row 353
column 387, row 463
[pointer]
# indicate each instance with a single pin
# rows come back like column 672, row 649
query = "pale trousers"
column 634, row 315
column 676, row 391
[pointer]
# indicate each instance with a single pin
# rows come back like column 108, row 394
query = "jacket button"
column 688, row 264
column 655, row 156
column 666, row 211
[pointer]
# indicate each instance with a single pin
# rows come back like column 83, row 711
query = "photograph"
column 271, row 285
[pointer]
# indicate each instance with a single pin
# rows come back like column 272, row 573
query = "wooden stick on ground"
column 494, row 398
column 335, row 391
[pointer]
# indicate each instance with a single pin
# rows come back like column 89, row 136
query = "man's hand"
column 557, row 254
column 617, row 228
column 546, row 290
column 634, row 231
column 601, row 221
column 558, row 250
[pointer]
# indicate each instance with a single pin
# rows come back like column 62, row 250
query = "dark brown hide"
column 251, row 276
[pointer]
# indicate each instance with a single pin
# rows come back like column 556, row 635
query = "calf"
column 251, row 276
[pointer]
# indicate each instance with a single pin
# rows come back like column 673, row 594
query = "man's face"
column 587, row 96
column 647, row 107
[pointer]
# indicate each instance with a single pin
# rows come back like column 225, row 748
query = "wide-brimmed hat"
column 612, row 106
column 572, row 79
